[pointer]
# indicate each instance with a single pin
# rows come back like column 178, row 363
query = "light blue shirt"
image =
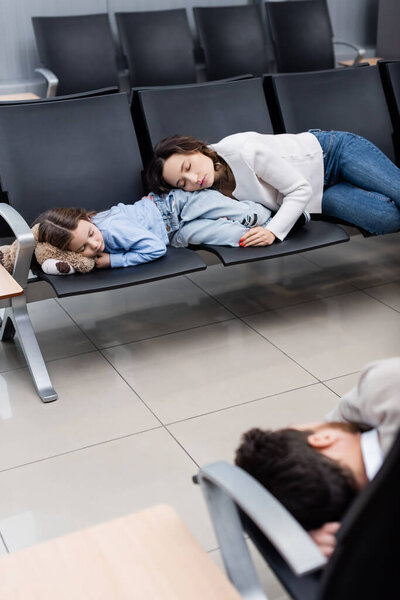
column 132, row 233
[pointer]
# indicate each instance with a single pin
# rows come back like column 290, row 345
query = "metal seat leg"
column 7, row 331
column 18, row 313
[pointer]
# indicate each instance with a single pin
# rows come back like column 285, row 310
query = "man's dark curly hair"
column 314, row 488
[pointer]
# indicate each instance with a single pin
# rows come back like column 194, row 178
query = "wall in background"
column 353, row 20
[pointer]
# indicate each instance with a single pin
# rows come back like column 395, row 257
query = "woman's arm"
column 288, row 180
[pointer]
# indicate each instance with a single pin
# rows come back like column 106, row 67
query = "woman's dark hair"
column 56, row 225
column 314, row 488
column 174, row 144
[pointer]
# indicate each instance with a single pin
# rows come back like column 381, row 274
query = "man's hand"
column 103, row 261
column 257, row 236
column 325, row 537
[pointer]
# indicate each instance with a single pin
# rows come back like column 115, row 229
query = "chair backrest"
column 158, row 46
column 208, row 111
column 232, row 38
column 79, row 152
column 301, row 35
column 365, row 562
column 390, row 73
column 79, row 49
column 343, row 99
column 388, row 38
column 100, row 92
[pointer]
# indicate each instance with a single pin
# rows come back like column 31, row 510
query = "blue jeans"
column 361, row 184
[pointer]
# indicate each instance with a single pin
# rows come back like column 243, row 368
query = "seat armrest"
column 25, row 242
column 360, row 52
column 224, row 484
column 52, row 81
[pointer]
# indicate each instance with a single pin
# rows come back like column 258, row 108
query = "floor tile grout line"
column 323, row 382
column 301, row 302
column 381, row 301
column 279, row 349
column 4, row 543
column 211, row 296
column 166, row 426
column 330, row 389
column 133, row 390
column 355, row 285
column 380, row 284
column 285, row 353
column 182, row 447
column 82, row 448
column 51, row 360
column 100, row 349
column 233, row 406
column 213, row 550
column 152, row 337
column 76, row 324
column 163, row 425
column 161, row 335
column 340, row 376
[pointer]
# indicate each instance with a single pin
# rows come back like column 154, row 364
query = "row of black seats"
column 84, row 151
column 159, row 47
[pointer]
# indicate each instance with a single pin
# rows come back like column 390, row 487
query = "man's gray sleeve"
column 375, row 401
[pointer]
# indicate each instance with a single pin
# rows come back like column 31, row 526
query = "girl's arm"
column 221, row 232
column 136, row 244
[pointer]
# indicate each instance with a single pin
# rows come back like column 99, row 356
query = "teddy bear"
column 53, row 260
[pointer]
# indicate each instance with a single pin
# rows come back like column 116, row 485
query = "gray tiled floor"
column 156, row 380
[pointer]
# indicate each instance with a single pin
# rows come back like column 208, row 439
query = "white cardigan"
column 283, row 172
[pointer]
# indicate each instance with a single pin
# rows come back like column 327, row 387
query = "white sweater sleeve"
column 285, row 178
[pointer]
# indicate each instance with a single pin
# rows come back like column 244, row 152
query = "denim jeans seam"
column 369, row 144
column 377, row 195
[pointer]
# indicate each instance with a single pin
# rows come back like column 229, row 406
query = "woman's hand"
column 103, row 261
column 257, row 236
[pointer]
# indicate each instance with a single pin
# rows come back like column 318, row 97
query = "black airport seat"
column 90, row 93
column 390, row 73
column 302, row 35
column 210, row 112
column 79, row 152
column 158, row 46
column 387, row 38
column 232, row 38
column 78, row 51
column 350, row 99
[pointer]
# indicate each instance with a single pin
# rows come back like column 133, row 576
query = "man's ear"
column 322, row 439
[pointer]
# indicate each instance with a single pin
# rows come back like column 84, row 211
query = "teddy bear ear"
column 76, row 261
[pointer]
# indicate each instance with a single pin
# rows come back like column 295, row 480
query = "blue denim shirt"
column 132, row 233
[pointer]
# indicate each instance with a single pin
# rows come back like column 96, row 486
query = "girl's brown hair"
column 57, row 224
column 174, row 144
